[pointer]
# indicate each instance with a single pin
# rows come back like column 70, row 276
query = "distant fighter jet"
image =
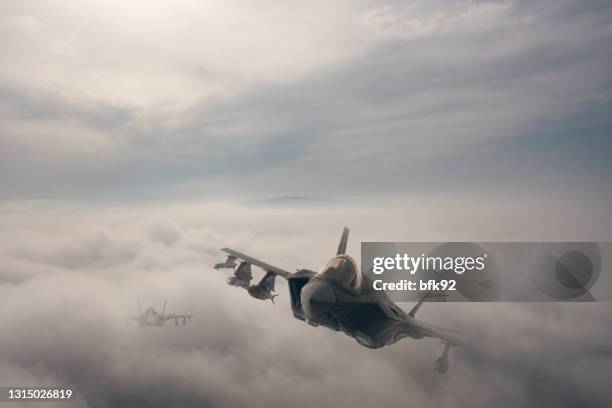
column 341, row 297
column 151, row 318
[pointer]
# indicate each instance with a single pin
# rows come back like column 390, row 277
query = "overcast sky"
column 137, row 138
column 240, row 99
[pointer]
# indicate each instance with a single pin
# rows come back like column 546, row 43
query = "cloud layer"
column 71, row 274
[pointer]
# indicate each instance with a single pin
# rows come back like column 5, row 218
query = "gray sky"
column 115, row 101
column 137, row 138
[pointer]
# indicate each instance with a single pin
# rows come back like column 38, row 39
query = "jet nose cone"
column 318, row 297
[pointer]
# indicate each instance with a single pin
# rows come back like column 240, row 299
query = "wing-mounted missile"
column 264, row 290
column 230, row 262
column 243, row 272
column 242, row 276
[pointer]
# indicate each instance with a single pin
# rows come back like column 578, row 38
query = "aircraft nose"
column 318, row 297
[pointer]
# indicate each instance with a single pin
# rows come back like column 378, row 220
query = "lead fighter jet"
column 341, row 297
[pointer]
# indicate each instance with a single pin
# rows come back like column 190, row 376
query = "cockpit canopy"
column 343, row 270
column 150, row 311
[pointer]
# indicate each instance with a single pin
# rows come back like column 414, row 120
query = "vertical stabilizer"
column 343, row 242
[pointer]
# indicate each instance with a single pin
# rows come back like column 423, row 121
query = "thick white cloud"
column 64, row 310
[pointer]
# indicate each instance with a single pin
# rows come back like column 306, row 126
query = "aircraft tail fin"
column 139, row 307
column 164, row 308
column 343, row 242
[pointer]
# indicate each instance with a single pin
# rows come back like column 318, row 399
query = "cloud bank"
column 71, row 274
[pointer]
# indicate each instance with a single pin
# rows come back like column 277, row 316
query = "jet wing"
column 176, row 316
column 430, row 330
column 411, row 326
column 181, row 316
column 186, row 318
column 267, row 267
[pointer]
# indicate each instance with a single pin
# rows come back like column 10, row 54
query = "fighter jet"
column 340, row 297
column 242, row 278
column 151, row 318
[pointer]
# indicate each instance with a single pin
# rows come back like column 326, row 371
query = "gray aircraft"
column 151, row 318
column 242, row 277
column 340, row 297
